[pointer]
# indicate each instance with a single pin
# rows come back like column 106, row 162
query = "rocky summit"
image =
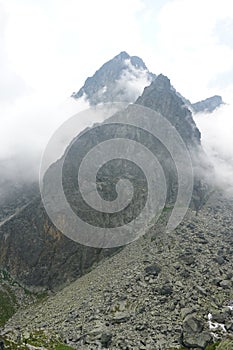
column 116, row 81
column 165, row 291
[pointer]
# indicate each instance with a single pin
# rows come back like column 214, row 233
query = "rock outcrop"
column 161, row 97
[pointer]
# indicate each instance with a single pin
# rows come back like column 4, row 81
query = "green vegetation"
column 37, row 339
column 63, row 347
column 168, row 208
column 212, row 346
column 223, row 345
column 7, row 304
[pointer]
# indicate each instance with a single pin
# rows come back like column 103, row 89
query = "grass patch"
column 212, row 346
column 8, row 304
column 37, row 339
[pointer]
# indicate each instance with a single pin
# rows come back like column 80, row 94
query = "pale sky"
column 55, row 44
column 49, row 47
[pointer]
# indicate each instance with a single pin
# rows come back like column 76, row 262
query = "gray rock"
column 120, row 317
column 226, row 284
column 153, row 270
column 166, row 289
column 192, row 325
column 106, row 339
column 193, row 335
column 199, row 341
column 219, row 259
column 187, row 258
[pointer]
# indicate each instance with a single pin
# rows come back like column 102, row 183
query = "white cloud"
column 48, row 48
column 53, row 47
column 187, row 47
column 64, row 41
column 132, row 82
column 217, row 130
column 11, row 84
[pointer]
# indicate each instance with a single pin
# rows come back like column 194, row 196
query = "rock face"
column 208, row 105
column 116, row 81
column 36, row 254
column 193, row 335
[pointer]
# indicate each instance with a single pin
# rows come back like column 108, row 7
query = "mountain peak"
column 162, row 82
column 119, row 80
column 122, row 55
column 208, row 105
column 163, row 98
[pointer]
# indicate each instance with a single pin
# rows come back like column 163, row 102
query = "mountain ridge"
column 110, row 73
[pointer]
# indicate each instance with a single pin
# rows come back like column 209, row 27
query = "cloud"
column 46, row 52
column 12, row 85
column 57, row 40
column 217, row 130
column 48, row 48
column 132, row 82
column 27, row 126
column 190, row 48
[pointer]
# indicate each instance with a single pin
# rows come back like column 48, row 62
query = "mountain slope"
column 148, row 295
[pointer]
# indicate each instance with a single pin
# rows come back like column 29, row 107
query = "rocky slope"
column 161, row 292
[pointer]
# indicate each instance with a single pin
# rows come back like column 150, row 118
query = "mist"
column 26, row 127
column 217, row 140
column 28, row 124
column 132, row 82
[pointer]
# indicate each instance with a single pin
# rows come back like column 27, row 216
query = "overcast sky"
column 55, row 44
column 49, row 47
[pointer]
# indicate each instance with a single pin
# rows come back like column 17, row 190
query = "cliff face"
column 161, row 97
column 36, row 254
